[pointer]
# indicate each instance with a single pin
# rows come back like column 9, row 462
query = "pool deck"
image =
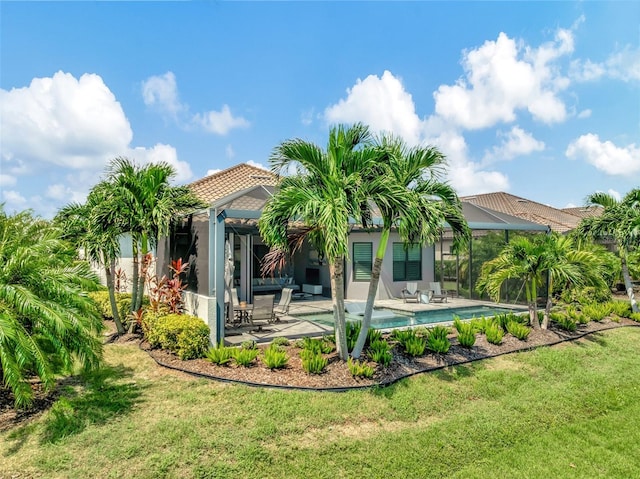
column 291, row 327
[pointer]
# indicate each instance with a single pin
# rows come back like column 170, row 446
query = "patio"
column 292, row 327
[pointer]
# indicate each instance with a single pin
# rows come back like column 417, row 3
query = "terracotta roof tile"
column 584, row 212
column 559, row 220
column 226, row 182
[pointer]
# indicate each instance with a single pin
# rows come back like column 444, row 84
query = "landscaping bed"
column 337, row 376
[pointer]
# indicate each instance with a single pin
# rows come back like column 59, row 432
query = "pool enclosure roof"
column 244, row 207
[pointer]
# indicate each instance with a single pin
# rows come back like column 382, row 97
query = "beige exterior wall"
column 387, row 288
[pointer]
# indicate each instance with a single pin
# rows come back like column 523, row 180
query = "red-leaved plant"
column 166, row 291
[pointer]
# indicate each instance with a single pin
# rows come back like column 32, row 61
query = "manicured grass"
column 568, row 411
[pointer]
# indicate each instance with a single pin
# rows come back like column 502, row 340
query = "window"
column 362, row 261
column 407, row 263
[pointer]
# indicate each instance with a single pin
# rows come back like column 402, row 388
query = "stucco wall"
column 387, row 288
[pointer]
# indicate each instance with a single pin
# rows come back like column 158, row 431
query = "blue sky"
column 540, row 99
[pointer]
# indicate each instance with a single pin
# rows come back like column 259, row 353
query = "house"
column 228, row 227
column 560, row 220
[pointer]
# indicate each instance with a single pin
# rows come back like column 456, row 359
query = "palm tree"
column 522, row 258
column 320, row 199
column 569, row 265
column 47, row 322
column 406, row 187
column 89, row 228
column 147, row 204
column 619, row 220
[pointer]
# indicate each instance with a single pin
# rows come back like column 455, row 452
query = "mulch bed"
column 337, row 376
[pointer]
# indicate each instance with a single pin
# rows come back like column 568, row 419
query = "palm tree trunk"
column 144, row 252
column 136, row 273
column 336, row 270
column 547, row 310
column 533, row 315
column 627, row 282
column 109, row 269
column 373, row 291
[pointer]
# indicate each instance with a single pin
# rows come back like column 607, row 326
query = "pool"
column 401, row 320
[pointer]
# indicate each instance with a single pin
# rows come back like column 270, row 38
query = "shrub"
column 438, row 344
column 620, row 308
column 281, row 341
column 415, row 346
column 353, row 330
column 248, row 344
column 360, row 369
column 480, row 324
column 596, row 311
column 380, row 352
column 313, row 363
column 494, row 333
column 586, row 295
column 373, row 335
column 576, row 315
column 221, row 354
column 635, row 317
column 466, row 333
column 518, row 330
column 403, row 335
column 123, row 302
column 184, row 335
column 563, row 321
column 505, row 318
column 274, row 357
column 439, row 332
column 245, row 357
column 316, row 345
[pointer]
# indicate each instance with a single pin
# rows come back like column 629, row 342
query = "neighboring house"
column 560, row 220
column 236, row 197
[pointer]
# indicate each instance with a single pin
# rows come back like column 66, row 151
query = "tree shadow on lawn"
column 92, row 399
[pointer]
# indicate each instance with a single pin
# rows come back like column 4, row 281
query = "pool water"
column 419, row 318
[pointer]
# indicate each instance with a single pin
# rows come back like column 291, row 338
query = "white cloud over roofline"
column 605, row 155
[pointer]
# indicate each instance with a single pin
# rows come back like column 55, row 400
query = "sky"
column 538, row 99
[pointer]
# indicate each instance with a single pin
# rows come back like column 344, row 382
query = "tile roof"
column 226, row 182
column 559, row 220
column 585, row 212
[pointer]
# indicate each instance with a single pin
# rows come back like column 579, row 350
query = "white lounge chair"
column 282, row 308
column 411, row 293
column 438, row 294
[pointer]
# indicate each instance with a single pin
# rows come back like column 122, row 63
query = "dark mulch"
column 337, row 375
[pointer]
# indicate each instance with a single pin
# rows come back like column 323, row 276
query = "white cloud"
column 515, row 142
column 584, row 114
column 382, row 103
column 307, row 117
column 220, row 122
column 213, row 172
column 163, row 153
column 65, row 193
column 604, row 155
column 257, row 165
column 64, row 121
column 14, row 199
column 162, row 91
column 570, row 205
column 229, row 152
column 502, row 77
column 615, row 194
column 621, row 65
column 7, row 180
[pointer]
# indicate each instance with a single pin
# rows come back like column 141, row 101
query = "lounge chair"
column 282, row 308
column 262, row 311
column 411, row 293
column 437, row 293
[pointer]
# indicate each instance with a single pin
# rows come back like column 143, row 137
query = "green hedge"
column 187, row 336
column 123, row 301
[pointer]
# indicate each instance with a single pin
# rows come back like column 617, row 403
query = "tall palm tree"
column 91, row 229
column 406, row 187
column 325, row 193
column 619, row 220
column 147, row 204
column 47, row 322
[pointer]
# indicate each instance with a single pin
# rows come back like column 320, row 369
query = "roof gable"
column 225, row 182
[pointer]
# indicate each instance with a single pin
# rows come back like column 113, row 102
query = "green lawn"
column 567, row 411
